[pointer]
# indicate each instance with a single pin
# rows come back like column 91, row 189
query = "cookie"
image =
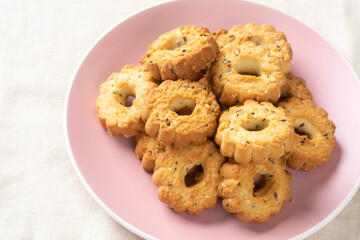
column 255, row 132
column 181, row 54
column 113, row 113
column 295, row 87
column 314, row 137
column 264, row 35
column 181, row 113
column 188, row 178
column 147, row 149
column 220, row 36
column 254, row 192
column 246, row 71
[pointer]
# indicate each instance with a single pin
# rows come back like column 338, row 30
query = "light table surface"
column 41, row 44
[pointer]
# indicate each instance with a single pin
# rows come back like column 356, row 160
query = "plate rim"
column 124, row 223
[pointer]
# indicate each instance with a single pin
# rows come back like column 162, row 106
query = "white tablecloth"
column 41, row 43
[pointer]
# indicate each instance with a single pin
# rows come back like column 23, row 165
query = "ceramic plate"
column 113, row 176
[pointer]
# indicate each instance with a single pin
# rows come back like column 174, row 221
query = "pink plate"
column 113, row 176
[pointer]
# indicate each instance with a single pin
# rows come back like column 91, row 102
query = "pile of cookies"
column 219, row 116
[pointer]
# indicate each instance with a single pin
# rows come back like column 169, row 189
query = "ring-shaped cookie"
column 119, row 119
column 264, row 35
column 181, row 54
column 181, row 112
column 295, row 87
column 255, row 132
column 188, row 178
column 314, row 137
column 147, row 149
column 246, row 71
column 254, row 192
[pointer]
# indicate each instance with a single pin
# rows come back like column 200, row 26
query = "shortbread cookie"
column 119, row 119
column 246, row 71
column 295, row 87
column 265, row 35
column 254, row 132
column 147, row 149
column 181, row 54
column 181, row 112
column 188, row 178
column 314, row 139
column 254, row 192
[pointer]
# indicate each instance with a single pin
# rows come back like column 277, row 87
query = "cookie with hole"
column 255, row 132
column 254, row 192
column 181, row 113
column 246, row 71
column 116, row 112
column 313, row 138
column 147, row 149
column 295, row 87
column 188, row 178
column 264, row 35
column 181, row 53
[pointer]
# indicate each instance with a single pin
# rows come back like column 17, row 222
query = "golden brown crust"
column 118, row 119
column 181, row 53
column 295, row 87
column 259, row 35
column 237, row 189
column 181, row 112
column 219, row 35
column 172, row 168
column 254, row 132
column 147, row 149
column 314, row 139
column 246, row 71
